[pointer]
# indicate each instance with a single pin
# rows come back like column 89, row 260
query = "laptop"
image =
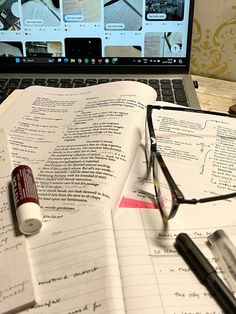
column 71, row 43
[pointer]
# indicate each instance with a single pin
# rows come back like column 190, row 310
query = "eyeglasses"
column 168, row 195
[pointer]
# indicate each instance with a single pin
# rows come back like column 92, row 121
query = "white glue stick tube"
column 26, row 200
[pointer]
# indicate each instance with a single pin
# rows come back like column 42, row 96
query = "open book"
column 83, row 146
column 80, row 143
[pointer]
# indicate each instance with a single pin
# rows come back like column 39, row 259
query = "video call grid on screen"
column 95, row 28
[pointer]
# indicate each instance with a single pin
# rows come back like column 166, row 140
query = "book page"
column 79, row 143
column 75, row 265
column 198, row 146
column 9, row 100
column 155, row 278
column 16, row 287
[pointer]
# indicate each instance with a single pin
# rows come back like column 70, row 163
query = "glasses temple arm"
column 208, row 199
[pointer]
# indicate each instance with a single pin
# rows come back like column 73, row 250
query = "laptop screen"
column 95, row 33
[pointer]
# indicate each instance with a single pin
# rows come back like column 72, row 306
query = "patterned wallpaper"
column 214, row 39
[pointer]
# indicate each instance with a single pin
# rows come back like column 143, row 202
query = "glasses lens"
column 164, row 195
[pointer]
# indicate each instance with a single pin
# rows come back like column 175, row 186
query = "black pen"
column 205, row 272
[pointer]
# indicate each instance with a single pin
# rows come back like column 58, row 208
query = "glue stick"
column 26, row 200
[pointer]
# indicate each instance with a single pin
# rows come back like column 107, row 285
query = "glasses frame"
column 178, row 196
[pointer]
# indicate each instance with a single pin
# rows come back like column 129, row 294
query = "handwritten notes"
column 75, row 265
column 199, row 146
column 155, row 278
column 16, row 288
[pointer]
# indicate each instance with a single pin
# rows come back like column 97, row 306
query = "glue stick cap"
column 28, row 211
column 29, row 218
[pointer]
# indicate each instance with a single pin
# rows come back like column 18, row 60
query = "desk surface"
column 215, row 94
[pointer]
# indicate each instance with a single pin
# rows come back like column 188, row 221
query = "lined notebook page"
column 155, row 278
column 75, row 265
column 16, row 287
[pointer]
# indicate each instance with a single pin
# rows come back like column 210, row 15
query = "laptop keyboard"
column 167, row 90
